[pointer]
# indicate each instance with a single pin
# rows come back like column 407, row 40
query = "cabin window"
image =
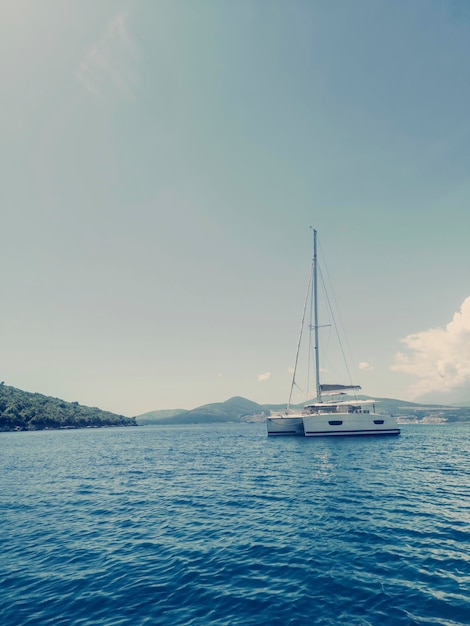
column 354, row 409
column 325, row 408
column 378, row 421
column 335, row 422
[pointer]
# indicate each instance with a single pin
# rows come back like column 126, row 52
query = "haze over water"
column 223, row 525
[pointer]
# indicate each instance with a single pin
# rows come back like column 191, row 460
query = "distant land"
column 239, row 409
column 22, row 410
column 235, row 409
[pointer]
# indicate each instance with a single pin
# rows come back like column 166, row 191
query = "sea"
column 221, row 525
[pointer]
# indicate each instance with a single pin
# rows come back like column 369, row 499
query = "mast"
column 315, row 316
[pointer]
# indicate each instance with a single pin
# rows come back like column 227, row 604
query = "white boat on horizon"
column 338, row 415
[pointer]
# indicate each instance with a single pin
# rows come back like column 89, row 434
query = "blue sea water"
column 222, row 525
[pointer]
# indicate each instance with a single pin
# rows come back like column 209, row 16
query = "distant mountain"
column 235, row 409
column 158, row 417
column 403, row 409
column 239, row 409
column 22, row 410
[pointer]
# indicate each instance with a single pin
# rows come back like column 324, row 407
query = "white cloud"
column 109, row 64
column 439, row 357
column 264, row 377
column 363, row 365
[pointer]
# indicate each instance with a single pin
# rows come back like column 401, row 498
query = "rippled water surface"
column 223, row 525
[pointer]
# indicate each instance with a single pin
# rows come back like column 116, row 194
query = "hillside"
column 235, row 409
column 22, row 410
column 158, row 417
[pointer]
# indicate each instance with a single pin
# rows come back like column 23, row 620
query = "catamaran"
column 330, row 414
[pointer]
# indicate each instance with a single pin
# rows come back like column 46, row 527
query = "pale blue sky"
column 163, row 160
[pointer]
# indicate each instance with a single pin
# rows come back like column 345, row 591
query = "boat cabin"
column 312, row 409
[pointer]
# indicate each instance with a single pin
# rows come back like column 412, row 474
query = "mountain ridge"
column 232, row 410
column 239, row 409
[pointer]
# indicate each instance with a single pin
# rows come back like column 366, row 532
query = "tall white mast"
column 315, row 317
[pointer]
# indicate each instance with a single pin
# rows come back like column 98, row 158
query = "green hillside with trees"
column 22, row 410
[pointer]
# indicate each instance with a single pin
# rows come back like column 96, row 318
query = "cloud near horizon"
column 110, row 63
column 363, row 365
column 264, row 377
column 439, row 357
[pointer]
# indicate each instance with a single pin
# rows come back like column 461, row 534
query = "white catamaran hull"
column 344, row 424
column 285, row 425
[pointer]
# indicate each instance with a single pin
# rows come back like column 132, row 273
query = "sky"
column 162, row 163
